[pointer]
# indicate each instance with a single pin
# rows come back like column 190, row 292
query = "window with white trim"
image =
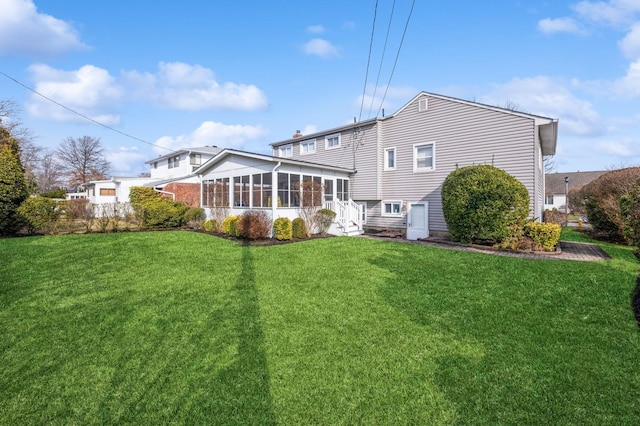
column 424, row 156
column 390, row 159
column 392, row 208
column 308, row 147
column 195, row 159
column 285, row 151
column 423, row 105
column 332, row 141
column 174, row 162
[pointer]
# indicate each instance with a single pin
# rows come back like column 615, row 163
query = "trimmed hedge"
column 210, row 225
column 298, row 228
column 156, row 211
column 40, row 214
column 483, row 203
column 229, row 225
column 282, row 228
column 545, row 236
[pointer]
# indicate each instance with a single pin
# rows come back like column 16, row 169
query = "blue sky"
column 247, row 73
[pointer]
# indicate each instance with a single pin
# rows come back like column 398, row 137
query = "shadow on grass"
column 247, row 381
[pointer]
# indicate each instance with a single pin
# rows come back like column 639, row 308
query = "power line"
column 397, row 55
column 366, row 75
column 384, row 49
column 82, row 115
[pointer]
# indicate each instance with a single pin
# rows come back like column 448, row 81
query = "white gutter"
column 166, row 192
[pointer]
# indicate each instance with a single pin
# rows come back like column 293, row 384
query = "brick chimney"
column 297, row 134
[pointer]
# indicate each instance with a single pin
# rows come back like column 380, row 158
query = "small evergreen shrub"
column 298, row 228
column 482, row 203
column 40, row 214
column 282, row 229
column 210, row 225
column 229, row 225
column 194, row 217
column 254, row 225
column 58, row 193
column 545, row 236
column 326, row 219
column 156, row 211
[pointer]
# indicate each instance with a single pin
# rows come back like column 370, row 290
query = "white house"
column 558, row 185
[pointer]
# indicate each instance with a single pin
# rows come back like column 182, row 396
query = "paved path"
column 568, row 250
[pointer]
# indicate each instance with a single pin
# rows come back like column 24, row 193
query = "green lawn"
column 181, row 327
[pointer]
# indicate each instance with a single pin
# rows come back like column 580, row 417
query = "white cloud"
column 320, row 47
column 629, row 85
column 212, row 133
column 193, row 87
column 560, row 25
column 614, row 13
column 630, row 44
column 125, row 161
column 623, row 148
column 315, row 29
column 90, row 91
column 23, row 30
column 309, row 129
column 545, row 96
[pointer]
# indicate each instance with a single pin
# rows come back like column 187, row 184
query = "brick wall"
column 188, row 193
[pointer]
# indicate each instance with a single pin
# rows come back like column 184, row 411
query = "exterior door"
column 417, row 220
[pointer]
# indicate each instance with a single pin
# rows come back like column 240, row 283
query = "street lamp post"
column 566, row 196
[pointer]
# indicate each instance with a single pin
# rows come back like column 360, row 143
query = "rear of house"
column 402, row 160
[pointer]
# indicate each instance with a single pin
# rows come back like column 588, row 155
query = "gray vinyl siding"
column 463, row 135
column 363, row 141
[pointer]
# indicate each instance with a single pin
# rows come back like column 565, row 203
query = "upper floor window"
column 195, row 159
column 424, row 157
column 174, row 161
column 308, row 147
column 155, row 164
column 332, row 141
column 107, row 192
column 390, row 159
column 285, row 151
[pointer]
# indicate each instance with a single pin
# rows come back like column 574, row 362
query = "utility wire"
column 82, row 115
column 366, row 76
column 397, row 55
column 384, row 49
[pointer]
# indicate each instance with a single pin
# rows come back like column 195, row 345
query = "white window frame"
column 308, row 143
column 392, row 214
column 334, row 136
column 417, row 146
column 282, row 150
column 386, row 158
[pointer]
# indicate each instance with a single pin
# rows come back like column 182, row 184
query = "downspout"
column 274, row 194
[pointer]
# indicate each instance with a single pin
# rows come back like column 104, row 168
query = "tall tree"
column 82, row 160
column 13, row 188
column 30, row 153
column 49, row 174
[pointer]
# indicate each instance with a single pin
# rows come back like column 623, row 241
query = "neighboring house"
column 557, row 186
column 400, row 162
column 114, row 190
column 170, row 174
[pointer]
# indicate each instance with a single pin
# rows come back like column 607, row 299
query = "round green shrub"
column 282, row 228
column 483, row 203
column 210, row 225
column 298, row 228
column 229, row 225
column 40, row 214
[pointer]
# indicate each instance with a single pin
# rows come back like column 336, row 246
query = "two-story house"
column 387, row 172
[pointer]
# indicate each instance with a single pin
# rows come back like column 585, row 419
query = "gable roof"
column 226, row 152
column 325, row 132
column 554, row 182
column 212, row 150
column 548, row 127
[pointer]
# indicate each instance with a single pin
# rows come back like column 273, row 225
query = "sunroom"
column 235, row 181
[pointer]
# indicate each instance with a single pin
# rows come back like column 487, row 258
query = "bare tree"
column 48, row 173
column 82, row 160
column 30, row 154
column 311, row 202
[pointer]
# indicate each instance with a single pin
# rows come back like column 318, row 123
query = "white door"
column 417, row 220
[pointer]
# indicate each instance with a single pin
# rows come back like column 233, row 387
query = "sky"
column 161, row 76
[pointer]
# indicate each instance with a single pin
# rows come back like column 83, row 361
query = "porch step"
column 351, row 231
